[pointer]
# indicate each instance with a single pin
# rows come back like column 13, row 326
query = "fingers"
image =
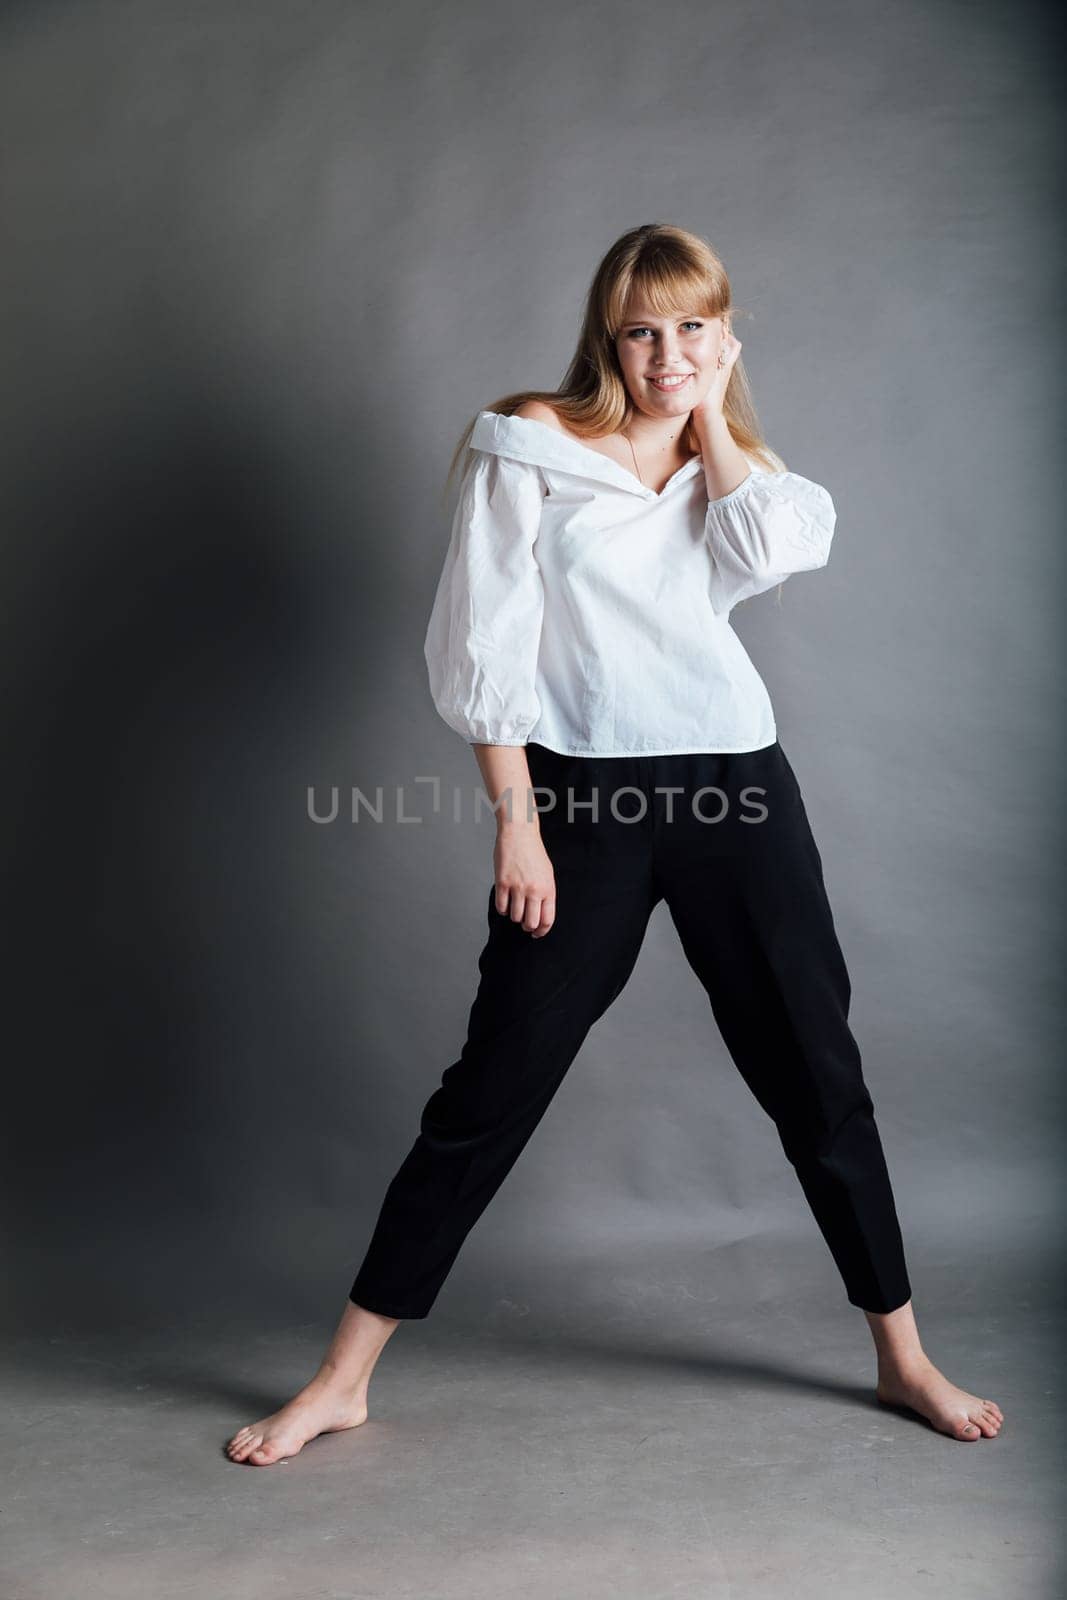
column 548, row 917
column 530, row 915
column 536, row 912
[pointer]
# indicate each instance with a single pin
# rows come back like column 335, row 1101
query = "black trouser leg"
column 750, row 906
column 535, row 1003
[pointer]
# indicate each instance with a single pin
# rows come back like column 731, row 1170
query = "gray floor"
column 609, row 1431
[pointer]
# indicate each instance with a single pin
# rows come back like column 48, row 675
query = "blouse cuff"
column 746, row 483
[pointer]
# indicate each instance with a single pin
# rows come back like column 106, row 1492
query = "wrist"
column 709, row 422
column 518, row 828
column 518, row 812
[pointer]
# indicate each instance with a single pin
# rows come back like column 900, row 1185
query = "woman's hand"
column 708, row 408
column 725, row 465
column 524, row 878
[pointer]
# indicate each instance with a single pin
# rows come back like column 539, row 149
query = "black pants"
column 733, row 855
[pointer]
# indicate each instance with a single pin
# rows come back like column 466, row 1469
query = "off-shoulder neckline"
column 528, row 439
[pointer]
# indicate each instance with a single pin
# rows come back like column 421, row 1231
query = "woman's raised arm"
column 771, row 525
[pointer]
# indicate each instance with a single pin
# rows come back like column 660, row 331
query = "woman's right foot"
column 325, row 1405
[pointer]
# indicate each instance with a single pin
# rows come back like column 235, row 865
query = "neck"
column 655, row 435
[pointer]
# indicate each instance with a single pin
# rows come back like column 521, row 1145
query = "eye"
column 634, row 333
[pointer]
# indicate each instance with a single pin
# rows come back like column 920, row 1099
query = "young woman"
column 580, row 640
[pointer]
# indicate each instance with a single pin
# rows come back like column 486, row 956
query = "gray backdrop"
column 263, row 264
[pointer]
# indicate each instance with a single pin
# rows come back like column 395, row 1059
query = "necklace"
column 633, row 452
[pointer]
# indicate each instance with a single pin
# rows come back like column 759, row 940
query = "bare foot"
column 919, row 1386
column 323, row 1406
column 336, row 1397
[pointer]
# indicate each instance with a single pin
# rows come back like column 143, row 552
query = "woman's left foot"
column 921, row 1387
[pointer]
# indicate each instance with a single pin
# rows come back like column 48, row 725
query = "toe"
column 265, row 1455
column 980, row 1418
column 968, row 1430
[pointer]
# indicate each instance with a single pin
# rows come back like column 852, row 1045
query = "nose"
column 668, row 353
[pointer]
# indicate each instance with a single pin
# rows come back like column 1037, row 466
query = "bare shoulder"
column 540, row 411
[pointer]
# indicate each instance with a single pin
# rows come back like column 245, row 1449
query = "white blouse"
column 581, row 610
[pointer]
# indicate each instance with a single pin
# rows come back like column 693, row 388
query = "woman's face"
column 651, row 347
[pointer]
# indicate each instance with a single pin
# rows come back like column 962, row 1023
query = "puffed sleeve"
column 485, row 626
column 772, row 524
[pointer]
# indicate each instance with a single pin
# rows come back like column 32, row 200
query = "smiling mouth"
column 667, row 385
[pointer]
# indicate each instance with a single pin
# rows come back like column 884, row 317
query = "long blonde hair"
column 673, row 270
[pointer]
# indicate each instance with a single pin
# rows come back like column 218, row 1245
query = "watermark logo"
column 707, row 805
